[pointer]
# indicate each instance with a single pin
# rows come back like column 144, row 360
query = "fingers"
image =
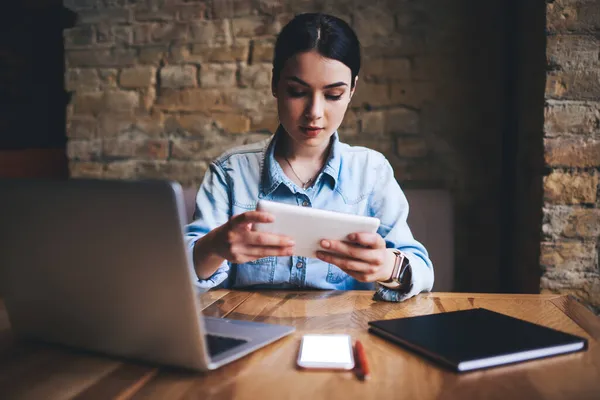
column 267, row 239
column 357, row 269
column 366, row 239
column 242, row 220
column 351, row 251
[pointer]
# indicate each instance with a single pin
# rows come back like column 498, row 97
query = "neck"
column 304, row 154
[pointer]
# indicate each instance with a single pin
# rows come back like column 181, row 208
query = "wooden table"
column 35, row 371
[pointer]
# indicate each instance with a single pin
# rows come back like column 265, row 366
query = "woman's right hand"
column 236, row 242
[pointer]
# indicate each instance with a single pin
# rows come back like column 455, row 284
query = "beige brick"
column 349, row 125
column 165, row 33
column 105, row 14
column 570, row 188
column 192, row 12
column 578, row 85
column 192, row 100
column 108, row 77
column 252, row 100
column 572, row 152
column 256, row 75
column 111, row 125
column 574, row 118
column 262, row 51
column 101, row 58
column 212, row 33
column 137, row 77
column 120, row 101
column 88, row 103
column 153, row 55
column 369, row 31
column 79, row 36
column 115, row 35
column 147, row 99
column 84, row 169
column 84, row 150
column 264, row 122
column 583, row 223
column 411, row 147
column 218, row 75
column 81, row 127
column 250, row 27
column 189, row 149
column 372, row 123
column 189, row 125
column 178, row 76
column 412, row 94
column 121, row 170
column 569, row 256
column 401, row 120
column 82, row 80
column 232, row 122
column 386, row 69
column 220, row 54
column 573, row 51
column 371, row 94
column 231, row 8
column 144, row 12
column 140, row 148
column 572, row 16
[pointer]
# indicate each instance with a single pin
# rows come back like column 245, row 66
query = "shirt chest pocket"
column 257, row 272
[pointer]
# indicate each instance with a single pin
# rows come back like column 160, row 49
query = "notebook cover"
column 455, row 338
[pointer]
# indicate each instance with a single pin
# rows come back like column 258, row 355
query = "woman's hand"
column 364, row 256
column 236, row 242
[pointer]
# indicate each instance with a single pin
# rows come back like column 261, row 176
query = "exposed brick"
column 583, row 223
column 178, row 76
column 412, row 94
column 111, row 125
column 210, row 147
column 411, row 146
column 231, row 8
column 153, row 54
column 370, row 32
column 137, row 77
column 220, row 54
column 372, row 123
column 401, row 120
column 108, row 77
column 256, row 75
column 121, row 170
column 573, row 51
column 147, row 99
column 572, row 16
column 218, row 75
column 83, row 169
column 569, row 256
column 572, row 152
column 109, row 15
column 140, row 148
column 371, row 94
column 101, row 58
column 189, row 125
column 253, row 100
column 88, row 103
column 232, row 122
column 84, row 150
column 251, row 27
column 570, row 188
column 142, row 12
column 191, row 12
column 212, row 33
column 578, row 85
column 120, row 101
column 264, row 122
column 386, row 69
column 271, row 7
column 164, row 33
column 192, row 100
column 81, row 127
column 571, row 117
column 79, row 36
column 188, row 174
column 349, row 125
column 142, row 33
column 114, row 35
column 82, row 80
column 262, row 51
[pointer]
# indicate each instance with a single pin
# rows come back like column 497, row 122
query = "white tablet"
column 308, row 226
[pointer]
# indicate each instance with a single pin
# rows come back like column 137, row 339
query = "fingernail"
column 325, row 244
column 352, row 236
column 319, row 254
column 290, row 243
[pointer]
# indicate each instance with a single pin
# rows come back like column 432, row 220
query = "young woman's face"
column 312, row 94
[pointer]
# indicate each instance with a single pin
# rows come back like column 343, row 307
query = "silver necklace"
column 294, row 171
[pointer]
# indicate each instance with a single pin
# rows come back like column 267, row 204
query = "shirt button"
column 305, row 203
column 299, row 264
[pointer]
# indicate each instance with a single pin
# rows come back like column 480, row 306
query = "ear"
column 354, row 88
column 273, row 83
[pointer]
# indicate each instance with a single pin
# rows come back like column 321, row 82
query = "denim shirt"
column 354, row 180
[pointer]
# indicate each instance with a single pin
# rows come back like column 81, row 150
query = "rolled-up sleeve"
column 389, row 204
column 211, row 211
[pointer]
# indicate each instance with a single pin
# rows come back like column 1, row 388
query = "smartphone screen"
column 326, row 351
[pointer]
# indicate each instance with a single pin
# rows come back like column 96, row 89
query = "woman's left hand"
column 363, row 256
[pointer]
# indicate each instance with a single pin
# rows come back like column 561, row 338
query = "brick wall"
column 161, row 87
column 571, row 228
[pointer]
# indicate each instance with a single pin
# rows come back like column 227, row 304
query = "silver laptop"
column 101, row 266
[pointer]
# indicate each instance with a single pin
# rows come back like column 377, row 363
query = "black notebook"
column 475, row 339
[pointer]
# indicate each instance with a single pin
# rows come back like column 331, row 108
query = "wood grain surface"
column 38, row 371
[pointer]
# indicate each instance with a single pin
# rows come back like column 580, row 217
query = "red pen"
column 362, row 371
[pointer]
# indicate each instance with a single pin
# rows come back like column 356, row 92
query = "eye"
column 333, row 97
column 295, row 93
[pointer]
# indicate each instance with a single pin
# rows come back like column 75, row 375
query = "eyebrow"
column 332, row 85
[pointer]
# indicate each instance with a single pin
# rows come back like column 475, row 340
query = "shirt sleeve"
column 211, row 211
column 389, row 204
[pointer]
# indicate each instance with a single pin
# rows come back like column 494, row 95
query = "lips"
column 311, row 131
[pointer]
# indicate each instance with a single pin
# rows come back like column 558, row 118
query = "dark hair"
column 330, row 36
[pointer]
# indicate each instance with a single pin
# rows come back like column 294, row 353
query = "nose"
column 315, row 108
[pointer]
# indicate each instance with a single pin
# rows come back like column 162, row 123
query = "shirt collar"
column 272, row 174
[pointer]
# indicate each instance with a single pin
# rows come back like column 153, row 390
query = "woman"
column 315, row 72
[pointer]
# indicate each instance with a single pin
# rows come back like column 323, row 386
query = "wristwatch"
column 400, row 273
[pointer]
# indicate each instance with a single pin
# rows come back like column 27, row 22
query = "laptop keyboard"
column 220, row 344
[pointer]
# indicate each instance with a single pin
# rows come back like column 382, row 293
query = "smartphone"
column 326, row 352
